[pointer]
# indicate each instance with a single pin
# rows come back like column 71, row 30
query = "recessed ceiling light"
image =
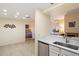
column 4, row 10
column 24, row 18
column 17, row 13
column 5, row 14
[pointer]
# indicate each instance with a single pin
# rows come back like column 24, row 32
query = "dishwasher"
column 43, row 49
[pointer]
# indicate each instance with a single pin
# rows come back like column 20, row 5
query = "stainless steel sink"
column 67, row 45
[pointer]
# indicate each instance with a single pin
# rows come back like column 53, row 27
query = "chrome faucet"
column 66, row 38
column 67, row 41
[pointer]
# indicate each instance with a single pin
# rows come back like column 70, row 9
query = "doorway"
column 28, row 32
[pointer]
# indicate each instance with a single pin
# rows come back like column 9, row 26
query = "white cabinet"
column 43, row 49
column 53, row 48
column 56, row 51
column 53, row 53
column 68, row 53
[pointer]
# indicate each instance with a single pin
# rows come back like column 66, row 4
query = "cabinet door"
column 43, row 49
column 53, row 51
column 51, row 47
column 53, row 54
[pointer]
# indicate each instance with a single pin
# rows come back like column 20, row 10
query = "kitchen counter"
column 53, row 38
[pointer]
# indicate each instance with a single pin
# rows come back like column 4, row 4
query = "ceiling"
column 21, row 10
column 73, row 11
column 62, row 9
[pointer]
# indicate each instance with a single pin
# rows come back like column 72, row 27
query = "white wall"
column 42, row 27
column 11, row 36
column 42, row 24
column 16, row 35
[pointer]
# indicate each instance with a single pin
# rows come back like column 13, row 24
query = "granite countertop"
column 53, row 38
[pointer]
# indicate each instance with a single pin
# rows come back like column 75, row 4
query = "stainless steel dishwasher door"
column 43, row 49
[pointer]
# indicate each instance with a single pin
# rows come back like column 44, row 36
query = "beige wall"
column 61, row 25
column 11, row 36
column 69, row 18
column 54, row 24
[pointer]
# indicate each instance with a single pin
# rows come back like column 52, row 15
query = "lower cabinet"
column 55, row 51
column 68, row 53
column 50, row 50
column 43, row 49
column 53, row 54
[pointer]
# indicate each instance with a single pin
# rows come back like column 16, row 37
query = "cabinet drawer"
column 68, row 53
column 53, row 48
column 53, row 53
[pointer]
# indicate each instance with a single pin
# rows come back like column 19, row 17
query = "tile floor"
column 21, row 49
